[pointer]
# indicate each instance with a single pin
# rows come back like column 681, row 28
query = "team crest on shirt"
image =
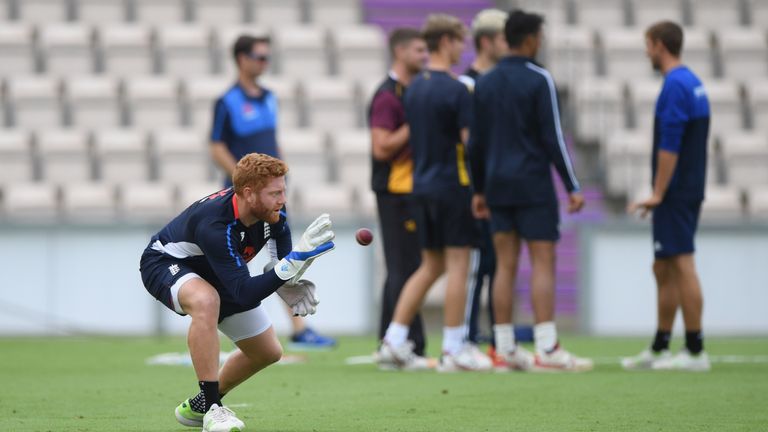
column 248, row 253
column 249, row 112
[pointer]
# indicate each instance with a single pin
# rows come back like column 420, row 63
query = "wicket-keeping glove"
column 299, row 296
column 316, row 240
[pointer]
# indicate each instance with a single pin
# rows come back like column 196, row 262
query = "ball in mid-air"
column 364, row 236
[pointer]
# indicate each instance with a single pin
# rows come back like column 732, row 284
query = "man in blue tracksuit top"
column 515, row 138
column 679, row 164
column 197, row 266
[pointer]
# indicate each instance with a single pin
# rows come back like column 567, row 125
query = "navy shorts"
column 539, row 222
column 445, row 221
column 674, row 226
column 163, row 275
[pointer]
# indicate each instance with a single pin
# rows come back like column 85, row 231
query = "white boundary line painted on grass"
column 733, row 359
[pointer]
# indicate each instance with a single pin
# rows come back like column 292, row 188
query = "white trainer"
column 561, row 360
column 684, row 361
column 401, row 357
column 520, row 359
column 221, row 419
column 469, row 358
column 645, row 360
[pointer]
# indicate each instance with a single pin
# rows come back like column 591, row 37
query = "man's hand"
column 480, row 209
column 575, row 202
column 316, row 241
column 645, row 206
column 300, row 297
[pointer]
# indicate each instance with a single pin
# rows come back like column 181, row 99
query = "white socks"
column 545, row 336
column 396, row 335
column 504, row 335
column 453, row 339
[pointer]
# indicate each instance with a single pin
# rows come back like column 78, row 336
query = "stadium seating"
column 160, row 12
column 306, row 152
column 35, row 101
column 317, row 198
column 126, row 50
column 570, row 54
column 194, row 191
column 153, row 101
column 625, row 159
column 93, row 101
column 220, row 11
column 182, row 155
column 757, row 197
column 716, row 13
column 624, row 53
column 600, row 104
column 42, row 11
column 15, row 156
column 722, row 203
column 65, row 155
column 67, row 49
column 302, row 50
column 31, row 202
column 353, row 156
column 280, row 12
column 598, row 13
column 331, row 103
column 359, row 50
column 150, row 202
column 744, row 52
column 746, row 158
column 200, row 94
column 758, row 95
column 334, row 12
column 648, row 12
column 122, row 155
column 101, row 11
column 88, row 202
column 290, row 101
column 184, row 50
column 16, row 49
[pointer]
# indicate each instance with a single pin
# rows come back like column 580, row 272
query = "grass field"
column 103, row 384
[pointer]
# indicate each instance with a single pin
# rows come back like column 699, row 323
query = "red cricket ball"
column 364, row 236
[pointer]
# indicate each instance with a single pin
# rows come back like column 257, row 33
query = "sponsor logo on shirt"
column 249, row 113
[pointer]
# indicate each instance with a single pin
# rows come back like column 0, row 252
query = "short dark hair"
column 439, row 25
column 244, row 44
column 670, row 34
column 520, row 25
column 402, row 35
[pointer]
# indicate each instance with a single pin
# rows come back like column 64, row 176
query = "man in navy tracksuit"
column 197, row 266
column 515, row 138
column 679, row 165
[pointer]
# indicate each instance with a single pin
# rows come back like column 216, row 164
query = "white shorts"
column 236, row 327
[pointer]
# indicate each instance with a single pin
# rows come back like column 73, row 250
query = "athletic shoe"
column 520, row 359
column 401, row 358
column 309, row 339
column 469, row 358
column 684, row 361
column 561, row 360
column 187, row 416
column 221, row 419
column 644, row 360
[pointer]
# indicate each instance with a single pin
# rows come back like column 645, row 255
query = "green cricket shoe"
column 187, row 416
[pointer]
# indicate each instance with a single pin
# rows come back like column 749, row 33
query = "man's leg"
column 254, row 354
column 201, row 302
column 689, row 289
column 431, row 267
column 667, row 302
column 506, row 244
column 457, row 270
column 542, row 255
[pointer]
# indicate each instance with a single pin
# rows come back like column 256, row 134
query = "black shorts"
column 163, row 275
column 539, row 222
column 674, row 226
column 445, row 221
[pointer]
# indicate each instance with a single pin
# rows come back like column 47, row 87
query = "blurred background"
column 106, row 106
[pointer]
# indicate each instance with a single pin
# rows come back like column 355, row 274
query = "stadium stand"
column 15, row 156
column 126, row 50
column 122, row 155
column 92, row 102
column 64, row 155
column 100, row 11
column 16, row 49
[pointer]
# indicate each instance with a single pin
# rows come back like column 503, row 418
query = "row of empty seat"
column 138, row 202
column 173, row 156
column 158, row 101
column 572, row 53
column 125, row 50
column 220, row 12
column 598, row 13
column 601, row 106
column 738, row 160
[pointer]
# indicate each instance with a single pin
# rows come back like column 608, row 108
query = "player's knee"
column 204, row 304
column 660, row 269
column 273, row 354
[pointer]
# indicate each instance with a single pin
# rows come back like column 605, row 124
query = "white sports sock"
column 545, row 336
column 453, row 339
column 396, row 334
column 504, row 334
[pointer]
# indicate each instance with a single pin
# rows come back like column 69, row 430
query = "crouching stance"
column 197, row 265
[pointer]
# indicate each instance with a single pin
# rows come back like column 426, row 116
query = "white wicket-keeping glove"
column 299, row 296
column 316, row 240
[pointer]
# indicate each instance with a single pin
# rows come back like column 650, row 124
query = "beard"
column 266, row 214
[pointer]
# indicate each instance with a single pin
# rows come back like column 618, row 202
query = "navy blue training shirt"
column 516, row 136
column 246, row 124
column 209, row 237
column 437, row 108
column 681, row 126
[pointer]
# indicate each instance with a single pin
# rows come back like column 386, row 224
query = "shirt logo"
column 657, row 246
column 699, row 92
column 266, row 231
column 242, row 236
column 174, row 268
column 249, row 113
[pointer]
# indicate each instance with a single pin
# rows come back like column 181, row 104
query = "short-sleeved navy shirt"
column 437, row 108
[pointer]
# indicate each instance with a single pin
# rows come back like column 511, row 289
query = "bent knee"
column 202, row 304
column 273, row 354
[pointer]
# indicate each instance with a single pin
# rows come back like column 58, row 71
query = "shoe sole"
column 234, row 429
column 187, row 422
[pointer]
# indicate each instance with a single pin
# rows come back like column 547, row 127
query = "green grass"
column 103, row 384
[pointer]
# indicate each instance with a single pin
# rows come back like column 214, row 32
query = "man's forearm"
column 387, row 143
column 223, row 157
column 665, row 169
